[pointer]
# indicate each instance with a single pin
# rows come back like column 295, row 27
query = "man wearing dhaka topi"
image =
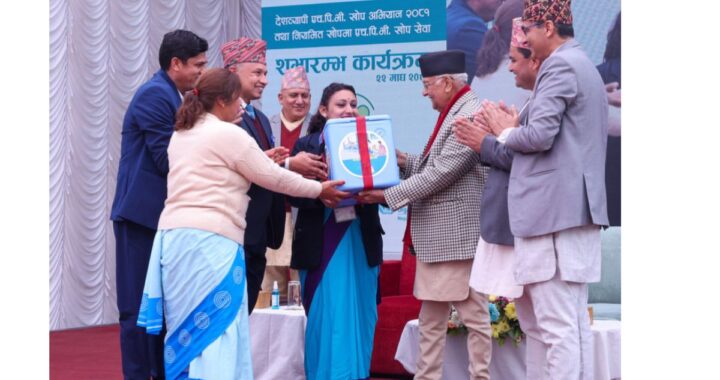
column 443, row 187
column 266, row 212
column 556, row 196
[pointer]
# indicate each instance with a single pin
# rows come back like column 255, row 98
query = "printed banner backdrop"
column 373, row 45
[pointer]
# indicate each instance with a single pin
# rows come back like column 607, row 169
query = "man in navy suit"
column 266, row 212
column 142, row 189
column 556, row 195
column 466, row 26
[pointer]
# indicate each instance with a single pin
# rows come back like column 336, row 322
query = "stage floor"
column 88, row 354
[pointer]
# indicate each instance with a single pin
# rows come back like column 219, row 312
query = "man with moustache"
column 556, row 197
column 142, row 188
column 443, row 187
column 494, row 261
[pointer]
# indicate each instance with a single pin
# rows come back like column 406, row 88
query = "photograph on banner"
column 373, row 46
column 596, row 25
column 485, row 37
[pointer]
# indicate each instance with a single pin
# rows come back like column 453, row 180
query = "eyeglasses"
column 526, row 28
column 427, row 85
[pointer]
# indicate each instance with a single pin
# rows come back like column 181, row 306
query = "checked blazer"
column 444, row 190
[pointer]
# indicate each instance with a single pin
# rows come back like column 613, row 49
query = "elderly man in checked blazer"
column 442, row 187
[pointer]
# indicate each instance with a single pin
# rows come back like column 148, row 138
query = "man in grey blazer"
column 556, row 194
column 494, row 262
column 443, row 187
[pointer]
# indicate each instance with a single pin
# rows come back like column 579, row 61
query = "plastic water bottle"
column 275, row 296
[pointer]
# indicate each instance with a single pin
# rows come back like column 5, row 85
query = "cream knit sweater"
column 212, row 167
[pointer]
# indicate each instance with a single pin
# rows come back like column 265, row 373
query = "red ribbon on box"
column 364, row 152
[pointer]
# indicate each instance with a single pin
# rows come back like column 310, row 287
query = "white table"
column 277, row 339
column 508, row 361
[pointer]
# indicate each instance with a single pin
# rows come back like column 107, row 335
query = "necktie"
column 250, row 111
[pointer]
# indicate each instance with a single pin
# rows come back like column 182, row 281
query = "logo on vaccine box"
column 349, row 153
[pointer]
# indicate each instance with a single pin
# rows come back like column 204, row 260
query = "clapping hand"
column 499, row 117
column 471, row 131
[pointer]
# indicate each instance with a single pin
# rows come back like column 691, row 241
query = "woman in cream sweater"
column 197, row 268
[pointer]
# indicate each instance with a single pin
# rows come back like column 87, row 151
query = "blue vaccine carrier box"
column 342, row 153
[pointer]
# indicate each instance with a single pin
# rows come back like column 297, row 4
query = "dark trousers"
column 255, row 271
column 142, row 354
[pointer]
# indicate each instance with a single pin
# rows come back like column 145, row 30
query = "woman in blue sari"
column 338, row 252
column 196, row 276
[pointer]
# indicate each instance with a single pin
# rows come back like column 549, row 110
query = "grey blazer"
column 444, row 191
column 275, row 124
column 557, row 179
column 494, row 219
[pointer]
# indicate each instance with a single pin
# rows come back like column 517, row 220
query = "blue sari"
column 196, row 281
column 340, row 302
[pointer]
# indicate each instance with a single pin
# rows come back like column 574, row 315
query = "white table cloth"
column 508, row 361
column 277, row 340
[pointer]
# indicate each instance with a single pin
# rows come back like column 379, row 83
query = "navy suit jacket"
column 266, row 211
column 465, row 31
column 307, row 245
column 142, row 173
column 494, row 218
